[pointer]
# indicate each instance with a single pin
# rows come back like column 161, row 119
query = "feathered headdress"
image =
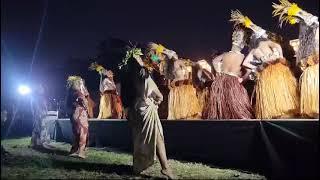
column 291, row 12
column 238, row 19
column 158, row 48
column 72, row 80
column 96, row 67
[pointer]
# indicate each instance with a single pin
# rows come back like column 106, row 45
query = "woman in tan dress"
column 110, row 101
column 141, row 97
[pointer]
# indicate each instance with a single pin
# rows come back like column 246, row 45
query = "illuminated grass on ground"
column 24, row 162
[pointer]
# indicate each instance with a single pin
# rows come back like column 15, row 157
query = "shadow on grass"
column 52, row 151
column 23, row 161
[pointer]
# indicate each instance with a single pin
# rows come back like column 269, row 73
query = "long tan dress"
column 146, row 126
column 110, row 101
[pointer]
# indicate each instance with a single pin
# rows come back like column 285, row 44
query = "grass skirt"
column 309, row 89
column 183, row 103
column 110, row 106
column 228, row 99
column 276, row 92
column 91, row 105
column 204, row 96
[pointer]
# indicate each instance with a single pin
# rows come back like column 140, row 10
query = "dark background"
column 73, row 30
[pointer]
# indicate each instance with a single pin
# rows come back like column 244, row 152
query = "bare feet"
column 82, row 154
column 168, row 173
column 73, row 155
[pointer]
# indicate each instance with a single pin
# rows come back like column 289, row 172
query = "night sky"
column 73, row 28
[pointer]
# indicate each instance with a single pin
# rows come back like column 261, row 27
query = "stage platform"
column 273, row 147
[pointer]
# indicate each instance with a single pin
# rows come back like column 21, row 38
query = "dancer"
column 183, row 101
column 40, row 137
column 307, row 57
column 273, row 99
column 203, row 78
column 161, row 55
column 228, row 98
column 110, row 101
column 141, row 96
column 77, row 104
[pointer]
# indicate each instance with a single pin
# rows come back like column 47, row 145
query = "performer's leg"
column 75, row 144
column 87, row 141
column 161, row 153
column 83, row 142
column 83, row 136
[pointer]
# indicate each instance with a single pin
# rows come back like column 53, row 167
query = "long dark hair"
column 131, row 75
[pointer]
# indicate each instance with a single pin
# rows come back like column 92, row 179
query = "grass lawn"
column 26, row 163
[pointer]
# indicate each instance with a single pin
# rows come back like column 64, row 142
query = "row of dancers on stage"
column 278, row 93
column 214, row 90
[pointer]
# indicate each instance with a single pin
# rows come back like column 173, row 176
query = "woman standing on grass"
column 78, row 112
column 40, row 137
column 141, row 96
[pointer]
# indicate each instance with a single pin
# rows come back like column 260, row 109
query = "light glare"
column 24, row 90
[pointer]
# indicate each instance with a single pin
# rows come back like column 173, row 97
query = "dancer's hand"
column 240, row 80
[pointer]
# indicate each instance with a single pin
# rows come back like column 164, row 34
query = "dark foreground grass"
column 26, row 163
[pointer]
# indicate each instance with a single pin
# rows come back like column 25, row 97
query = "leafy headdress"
column 132, row 52
column 73, row 80
column 96, row 67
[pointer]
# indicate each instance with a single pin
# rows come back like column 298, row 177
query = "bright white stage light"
column 24, row 90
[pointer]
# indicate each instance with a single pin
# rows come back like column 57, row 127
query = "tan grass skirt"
column 309, row 92
column 276, row 92
column 183, row 103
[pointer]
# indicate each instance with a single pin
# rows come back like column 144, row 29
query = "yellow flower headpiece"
column 73, row 79
column 286, row 11
column 97, row 67
column 247, row 22
column 293, row 10
column 159, row 49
